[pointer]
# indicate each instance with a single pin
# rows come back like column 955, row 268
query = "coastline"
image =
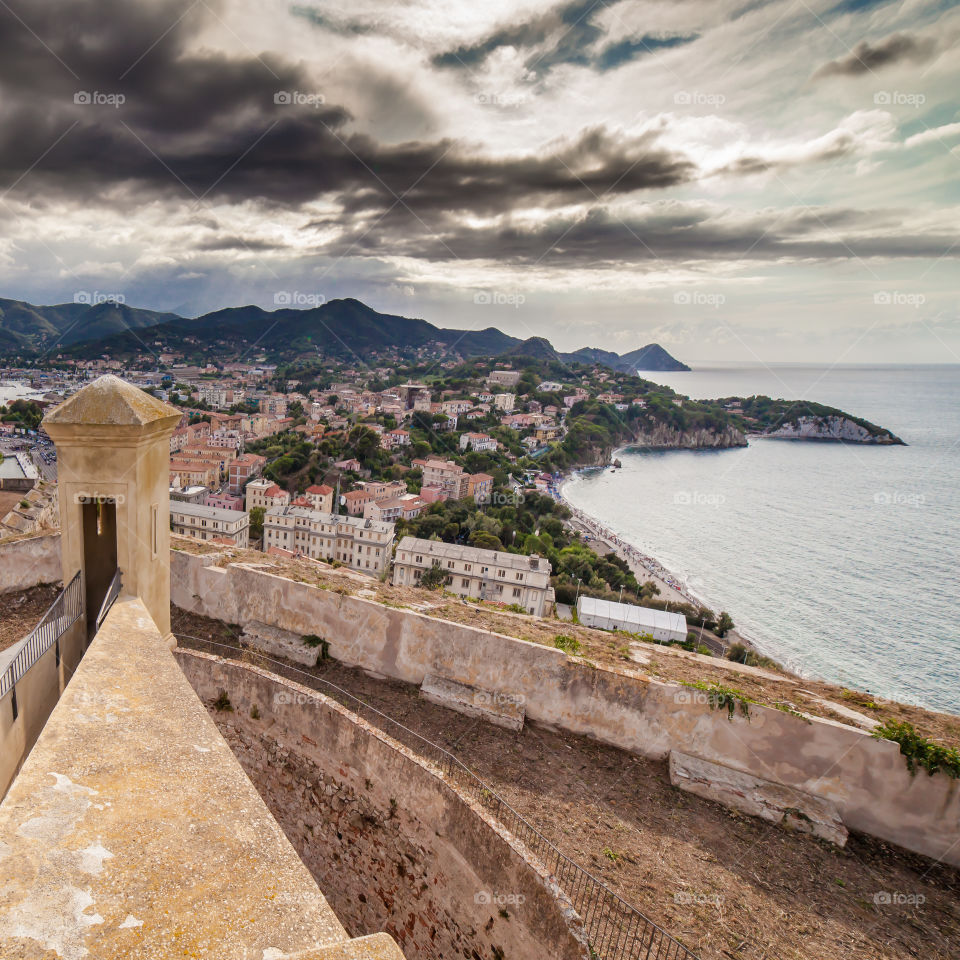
column 672, row 588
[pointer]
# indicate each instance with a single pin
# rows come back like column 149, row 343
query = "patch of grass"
column 312, row 640
column 567, row 644
column 920, row 751
column 720, row 697
column 223, row 703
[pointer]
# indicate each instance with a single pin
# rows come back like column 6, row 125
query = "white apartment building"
column 210, row 523
column 477, row 441
column 359, row 543
column 219, row 396
column 505, row 401
column 494, row 575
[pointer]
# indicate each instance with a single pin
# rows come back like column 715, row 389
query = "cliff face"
column 665, row 437
column 830, row 428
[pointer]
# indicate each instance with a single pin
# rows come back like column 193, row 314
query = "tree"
column 724, row 624
column 485, row 541
column 434, row 578
column 256, row 522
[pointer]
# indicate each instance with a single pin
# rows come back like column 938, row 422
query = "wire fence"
column 616, row 930
column 63, row 613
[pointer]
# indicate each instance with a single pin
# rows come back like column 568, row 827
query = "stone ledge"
column 279, row 642
column 379, row 946
column 502, row 709
column 770, row 801
column 132, row 830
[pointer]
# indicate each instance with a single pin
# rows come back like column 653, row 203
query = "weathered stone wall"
column 866, row 779
column 393, row 845
column 28, row 561
column 132, row 830
column 36, row 693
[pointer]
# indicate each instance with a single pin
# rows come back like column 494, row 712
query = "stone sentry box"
column 113, row 454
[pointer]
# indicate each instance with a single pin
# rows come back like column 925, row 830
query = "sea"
column 11, row 390
column 840, row 561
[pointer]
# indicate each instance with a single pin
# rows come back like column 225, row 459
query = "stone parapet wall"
column 28, row 561
column 394, row 845
column 866, row 779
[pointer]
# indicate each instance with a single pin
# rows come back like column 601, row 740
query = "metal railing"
column 113, row 591
column 63, row 613
column 616, row 930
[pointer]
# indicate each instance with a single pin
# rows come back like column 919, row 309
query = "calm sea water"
column 838, row 560
column 14, row 390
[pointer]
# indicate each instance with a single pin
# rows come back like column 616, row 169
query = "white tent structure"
column 608, row 615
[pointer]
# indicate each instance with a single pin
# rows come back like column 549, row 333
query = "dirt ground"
column 21, row 612
column 616, row 651
column 730, row 887
column 8, row 500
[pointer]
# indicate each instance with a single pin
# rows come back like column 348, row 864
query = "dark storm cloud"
column 867, row 57
column 238, row 243
column 202, row 124
column 600, row 238
column 566, row 34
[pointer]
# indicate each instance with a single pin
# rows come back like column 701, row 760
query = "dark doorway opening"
column 99, row 554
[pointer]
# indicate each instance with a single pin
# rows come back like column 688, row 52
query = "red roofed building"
column 355, row 501
column 266, row 494
column 320, row 497
column 480, row 487
column 245, row 468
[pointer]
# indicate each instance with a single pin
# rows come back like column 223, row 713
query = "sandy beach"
column 644, row 568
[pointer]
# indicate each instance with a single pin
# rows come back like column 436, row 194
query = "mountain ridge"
column 338, row 328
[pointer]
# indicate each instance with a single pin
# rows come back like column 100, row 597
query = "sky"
column 735, row 179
